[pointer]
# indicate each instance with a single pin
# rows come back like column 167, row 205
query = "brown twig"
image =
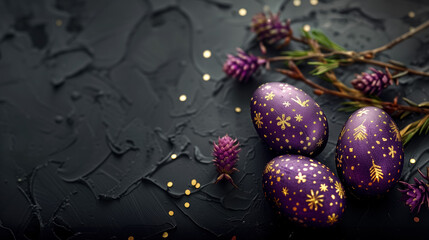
column 351, row 57
column 364, row 56
column 330, row 74
column 296, row 74
column 397, row 40
column 391, row 66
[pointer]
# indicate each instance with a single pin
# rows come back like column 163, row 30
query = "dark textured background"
column 90, row 115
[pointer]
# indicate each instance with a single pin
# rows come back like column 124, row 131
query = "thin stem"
column 313, row 55
column 350, row 59
column 387, row 105
column 397, row 40
column 391, row 66
column 362, row 56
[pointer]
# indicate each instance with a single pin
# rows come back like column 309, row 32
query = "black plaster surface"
column 90, row 115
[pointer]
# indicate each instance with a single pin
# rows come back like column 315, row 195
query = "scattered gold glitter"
column 187, row 204
column 193, row 182
column 314, row 2
column 198, row 185
column 237, row 109
column 173, row 156
column 306, row 28
column 59, row 22
column 411, row 14
column 412, row 160
column 169, row 184
column 297, row 3
column 242, row 12
column 171, row 213
column 207, row 54
column 165, row 235
column 206, row 77
column 182, row 98
column 187, row 192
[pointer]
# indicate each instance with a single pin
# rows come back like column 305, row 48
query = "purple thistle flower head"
column 417, row 194
column 225, row 154
column 270, row 29
column 242, row 66
column 372, row 83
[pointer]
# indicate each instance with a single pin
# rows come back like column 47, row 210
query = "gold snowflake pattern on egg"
column 288, row 119
column 304, row 190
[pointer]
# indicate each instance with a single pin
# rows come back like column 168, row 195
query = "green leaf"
column 410, row 102
column 323, row 40
column 408, row 136
column 297, row 53
column 401, row 74
column 423, row 104
column 404, row 114
column 323, row 67
column 424, row 126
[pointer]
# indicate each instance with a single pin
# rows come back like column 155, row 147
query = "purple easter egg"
column 304, row 190
column 369, row 153
column 288, row 119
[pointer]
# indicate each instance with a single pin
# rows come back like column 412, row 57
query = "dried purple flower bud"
column 225, row 154
column 372, row 83
column 242, row 66
column 417, row 194
column 270, row 29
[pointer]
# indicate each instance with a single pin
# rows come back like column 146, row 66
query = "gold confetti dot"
column 297, row 3
column 165, row 235
column 206, row 77
column 266, row 8
column 411, row 14
column 193, row 182
column 171, row 213
column 173, row 156
column 416, row 219
column 169, row 184
column 412, row 160
column 187, row 205
column 314, row 2
column 237, row 109
column 187, row 192
column 242, row 12
column 207, row 54
column 306, row 28
column 182, row 98
column 59, row 22
column 198, row 185
column 130, row 238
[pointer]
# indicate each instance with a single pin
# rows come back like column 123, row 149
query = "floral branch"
column 320, row 90
column 325, row 55
column 351, row 57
